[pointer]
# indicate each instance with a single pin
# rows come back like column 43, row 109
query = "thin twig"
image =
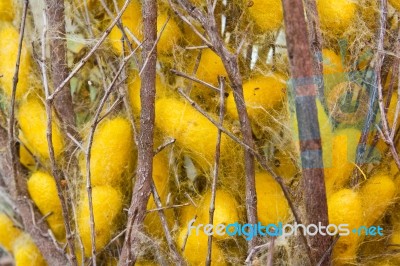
column 11, row 121
column 57, row 173
column 181, row 74
column 171, row 245
column 216, row 165
column 89, row 150
column 164, row 145
column 168, row 207
column 253, row 251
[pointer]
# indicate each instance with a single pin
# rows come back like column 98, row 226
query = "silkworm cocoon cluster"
column 32, row 119
column 261, row 95
column 112, row 153
column 8, row 232
column 26, row 252
column 192, row 131
column 43, row 191
column 107, row 207
column 272, row 206
column 267, row 14
column 378, row 192
column 9, row 39
column 345, row 207
column 196, row 248
column 132, row 20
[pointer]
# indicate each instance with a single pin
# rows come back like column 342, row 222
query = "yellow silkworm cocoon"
column 170, row 36
column 161, row 179
column 7, row 11
column 43, row 191
column 26, row 158
column 196, row 248
column 9, row 39
column 210, row 67
column 261, row 94
column 26, row 252
column 332, row 63
column 32, row 119
column 112, row 153
column 226, row 210
column 134, row 91
column 192, row 131
column 336, row 16
column 378, row 192
column 267, row 14
column 272, row 206
column 8, row 232
column 107, row 207
column 343, row 152
column 345, row 207
column 284, row 165
column 132, row 21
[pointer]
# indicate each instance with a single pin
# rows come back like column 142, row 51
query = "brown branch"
column 142, row 187
column 57, row 173
column 301, row 67
column 216, row 166
column 13, row 183
column 231, row 65
column 316, row 44
column 387, row 135
column 59, row 67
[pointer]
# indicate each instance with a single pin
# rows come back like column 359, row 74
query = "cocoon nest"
column 32, row 119
column 43, row 191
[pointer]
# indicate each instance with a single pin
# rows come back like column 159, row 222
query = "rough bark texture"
column 59, row 68
column 305, row 90
column 142, row 188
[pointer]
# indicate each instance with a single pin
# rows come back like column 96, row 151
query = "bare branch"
column 305, row 90
column 142, row 187
column 216, row 165
column 57, row 173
